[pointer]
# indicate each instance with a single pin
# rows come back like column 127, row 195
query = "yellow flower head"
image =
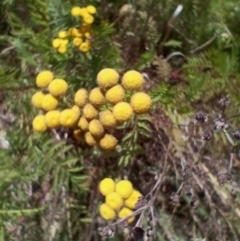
column 114, row 200
column 108, row 142
column 115, row 94
column 81, row 97
column 75, row 11
column 107, row 119
column 68, row 118
column 74, row 32
column 106, row 186
column 84, row 47
column 77, row 41
column 37, row 99
column 133, row 199
column 107, row 78
column 122, row 111
column 58, row 87
column 88, row 18
column 106, row 212
column 124, row 212
column 77, row 110
column 83, row 12
column 83, row 124
column 78, row 135
column 62, row 34
column 96, row 97
column 56, row 43
column 62, row 49
column 124, row 188
column 90, row 140
column 96, row 128
column 44, row 78
column 39, row 123
column 90, row 112
column 132, row 80
column 52, row 118
column 91, row 9
column 49, row 102
column 141, row 102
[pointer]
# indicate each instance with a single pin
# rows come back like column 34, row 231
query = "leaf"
column 173, row 43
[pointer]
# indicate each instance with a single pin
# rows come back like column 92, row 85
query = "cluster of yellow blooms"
column 80, row 36
column 94, row 113
column 120, row 199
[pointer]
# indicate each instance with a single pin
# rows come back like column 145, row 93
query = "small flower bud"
column 201, row 117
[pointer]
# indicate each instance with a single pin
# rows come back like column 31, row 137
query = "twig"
column 204, row 45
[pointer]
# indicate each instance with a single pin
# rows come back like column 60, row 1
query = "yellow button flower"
column 52, row 118
column 83, row 124
column 75, row 11
column 56, row 43
column 107, row 78
column 124, row 212
column 122, row 111
column 107, row 119
column 44, row 78
column 141, row 102
column 62, row 34
column 37, row 99
column 49, row 102
column 58, row 87
column 91, row 9
column 39, row 123
column 114, row 200
column 68, row 118
column 106, row 186
column 84, row 47
column 74, row 32
column 96, row 128
column 133, row 199
column 77, row 110
column 88, row 19
column 83, row 12
column 108, row 142
column 96, row 97
column 124, row 188
column 81, row 97
column 90, row 140
column 90, row 112
column 77, row 41
column 132, row 80
column 106, row 212
column 78, row 135
column 115, row 94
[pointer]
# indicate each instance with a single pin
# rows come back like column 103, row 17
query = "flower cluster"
column 120, row 199
column 80, row 36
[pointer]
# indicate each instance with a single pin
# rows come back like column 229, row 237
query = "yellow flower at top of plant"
column 39, row 123
column 88, row 18
column 115, row 94
column 74, row 32
column 132, row 80
column 96, row 97
column 108, row 142
column 83, row 12
column 96, row 128
column 62, row 49
column 62, row 34
column 68, row 118
column 107, row 78
column 106, row 186
column 114, row 200
column 52, row 118
column 56, row 43
column 37, row 99
column 122, row 111
column 124, row 188
column 107, row 119
column 90, row 140
column 141, row 102
column 81, row 97
column 77, row 41
column 75, row 11
column 106, row 212
column 90, row 112
column 124, row 212
column 58, row 87
column 44, row 78
column 91, row 9
column 131, row 201
column 83, row 124
column 78, row 135
column 49, row 102
column 76, row 109
column 84, row 47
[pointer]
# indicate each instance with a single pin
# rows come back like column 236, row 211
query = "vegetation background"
column 190, row 60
